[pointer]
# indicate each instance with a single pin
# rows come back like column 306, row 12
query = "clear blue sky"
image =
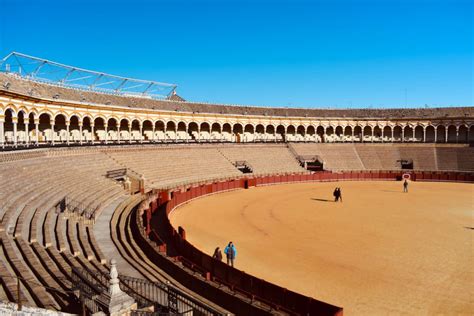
column 282, row 53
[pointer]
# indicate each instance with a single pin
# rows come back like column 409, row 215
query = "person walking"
column 231, row 253
column 405, row 186
column 339, row 194
column 335, row 194
column 217, row 254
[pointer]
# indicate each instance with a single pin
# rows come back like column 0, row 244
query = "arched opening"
column 367, row 137
column 136, row 134
column 280, row 133
column 205, row 134
column 124, row 130
column 260, row 133
column 99, row 129
column 408, row 133
column 171, row 131
column 320, row 134
column 441, row 133
column 377, row 134
column 32, row 132
column 112, row 130
column 193, row 131
column 348, row 134
column 45, row 135
column 471, row 134
column 358, row 133
column 86, row 129
column 147, row 131
column 290, row 133
column 430, row 134
column 387, row 134
column 60, row 131
column 74, row 129
column 20, row 128
column 310, row 134
column 419, row 133
column 397, row 134
column 451, row 134
column 8, row 127
column 226, row 132
column 182, row 132
column 300, row 133
column 463, row 134
column 248, row 133
column 160, row 131
column 339, row 133
column 216, row 134
column 237, row 131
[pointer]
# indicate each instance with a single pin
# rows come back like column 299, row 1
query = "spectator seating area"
column 40, row 241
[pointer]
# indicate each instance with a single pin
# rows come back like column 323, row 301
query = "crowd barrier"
column 247, row 285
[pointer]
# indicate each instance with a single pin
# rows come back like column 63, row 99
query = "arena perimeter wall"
column 206, row 272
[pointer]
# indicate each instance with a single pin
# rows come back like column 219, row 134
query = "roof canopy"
column 34, row 68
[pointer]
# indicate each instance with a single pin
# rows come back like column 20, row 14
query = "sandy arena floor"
column 380, row 252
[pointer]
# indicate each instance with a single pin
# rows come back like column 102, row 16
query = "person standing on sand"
column 339, row 194
column 336, row 197
column 231, row 253
column 217, row 254
column 405, row 186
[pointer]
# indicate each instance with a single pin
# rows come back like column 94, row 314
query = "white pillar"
column 446, row 132
column 80, row 133
column 118, row 133
column 27, row 139
column 92, row 134
column 392, row 128
column 15, row 140
column 436, row 134
column 37, row 132
column 413, row 134
column 457, row 134
column 175, row 134
column 153, row 134
column 352, row 128
column 130, row 134
column 52, row 134
column 67, row 133
column 106, row 127
column 141, row 133
column 403, row 134
column 424, row 134
column 373, row 132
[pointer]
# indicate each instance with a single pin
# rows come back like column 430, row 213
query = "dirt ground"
column 379, row 252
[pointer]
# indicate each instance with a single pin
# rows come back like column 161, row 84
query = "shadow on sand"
column 392, row 191
column 467, row 227
column 322, row 200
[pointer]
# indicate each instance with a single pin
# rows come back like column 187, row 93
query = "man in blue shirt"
column 231, row 253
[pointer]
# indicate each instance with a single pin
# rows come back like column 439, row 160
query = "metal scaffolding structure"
column 38, row 69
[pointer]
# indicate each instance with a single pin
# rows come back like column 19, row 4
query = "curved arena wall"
column 212, row 271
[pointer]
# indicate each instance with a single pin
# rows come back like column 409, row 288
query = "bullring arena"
column 113, row 200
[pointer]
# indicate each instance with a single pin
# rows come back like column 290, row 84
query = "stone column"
column 118, row 132
column 15, row 136
column 403, row 134
column 37, row 131
column 457, row 134
column 141, row 133
column 446, row 134
column 92, row 134
column 413, row 134
column 436, row 134
column 27, row 137
column 373, row 132
column 392, row 128
column 52, row 133
column 424, row 134
column 68, row 137
column 106, row 127
column 116, row 301
column 80, row 133
column 352, row 128
column 175, row 134
column 130, row 133
column 153, row 133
